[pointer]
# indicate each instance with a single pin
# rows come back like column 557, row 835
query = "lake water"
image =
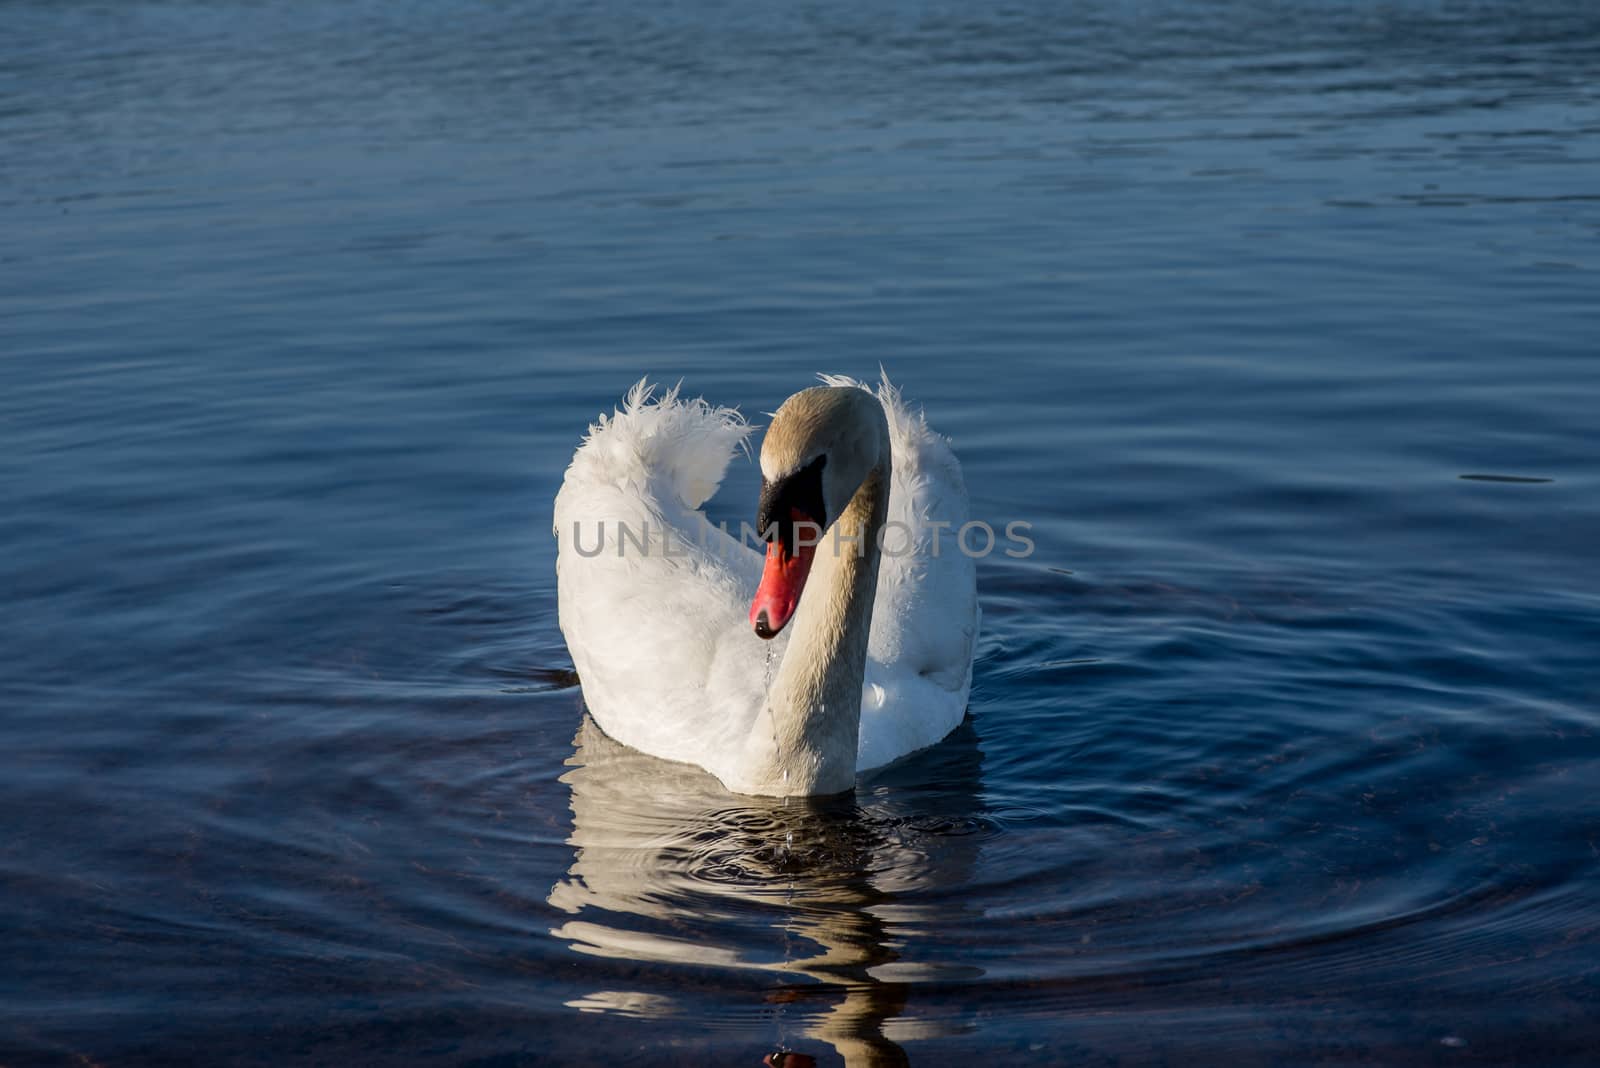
column 1277, row 320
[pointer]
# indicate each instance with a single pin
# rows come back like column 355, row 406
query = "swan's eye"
column 789, row 502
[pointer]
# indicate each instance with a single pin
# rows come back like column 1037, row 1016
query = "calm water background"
column 1282, row 747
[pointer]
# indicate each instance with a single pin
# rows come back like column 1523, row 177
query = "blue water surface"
column 1277, row 320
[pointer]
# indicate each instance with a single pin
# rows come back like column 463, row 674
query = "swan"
column 848, row 645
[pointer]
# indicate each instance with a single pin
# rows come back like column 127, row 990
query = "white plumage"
column 660, row 634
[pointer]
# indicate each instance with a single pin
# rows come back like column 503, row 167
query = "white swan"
column 663, row 612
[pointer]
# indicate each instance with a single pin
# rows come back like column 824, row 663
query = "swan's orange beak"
column 782, row 579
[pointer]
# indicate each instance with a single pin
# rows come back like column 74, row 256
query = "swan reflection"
column 824, row 892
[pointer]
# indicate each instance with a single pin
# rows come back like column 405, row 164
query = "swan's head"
column 818, row 450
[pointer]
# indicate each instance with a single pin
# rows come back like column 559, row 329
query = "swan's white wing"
column 925, row 615
column 659, row 632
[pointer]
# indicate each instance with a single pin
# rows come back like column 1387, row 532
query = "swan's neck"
column 805, row 739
